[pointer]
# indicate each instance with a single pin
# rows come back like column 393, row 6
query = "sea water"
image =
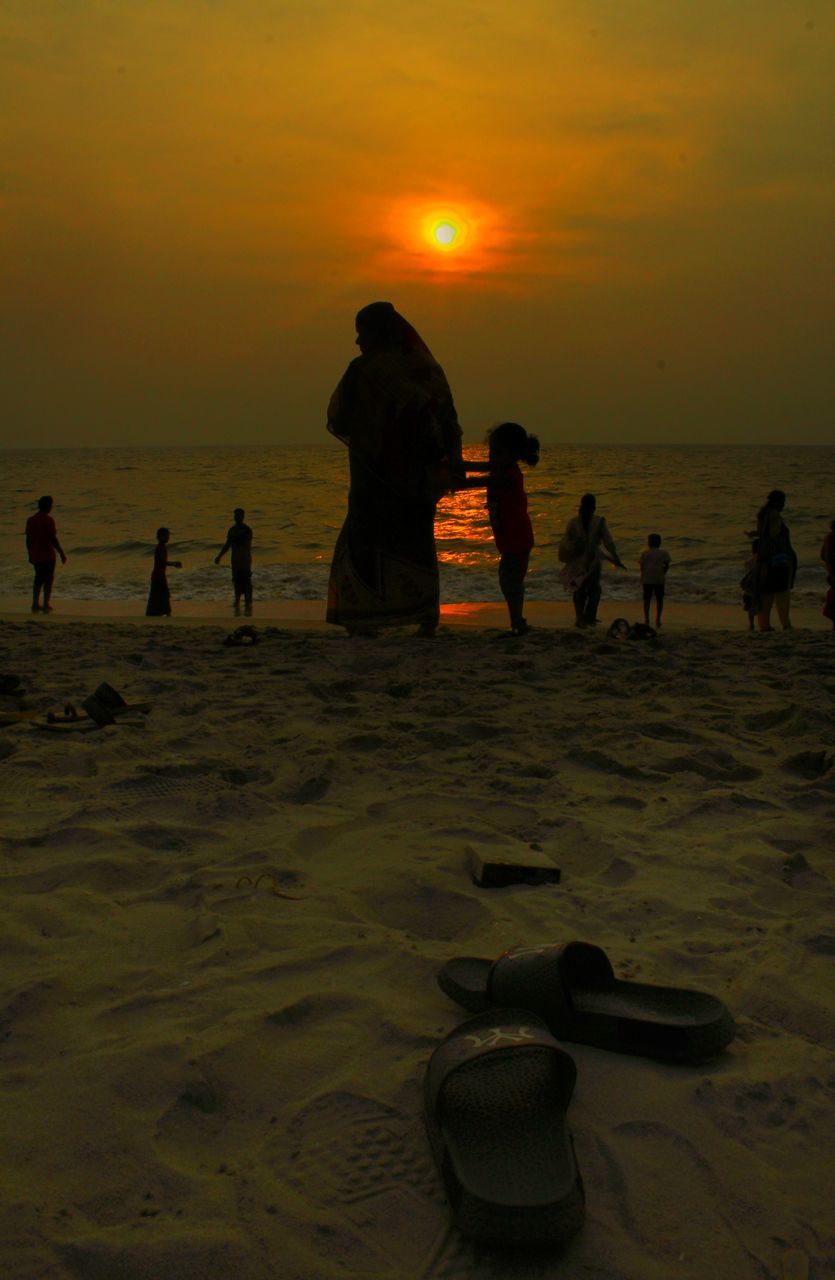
column 109, row 503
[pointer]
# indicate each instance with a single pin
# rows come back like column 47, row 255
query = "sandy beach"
column 222, row 927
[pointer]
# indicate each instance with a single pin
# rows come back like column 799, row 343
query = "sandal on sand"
column 495, row 1097
column 101, row 708
column 574, row 988
column 106, row 704
column 69, row 722
column 68, row 716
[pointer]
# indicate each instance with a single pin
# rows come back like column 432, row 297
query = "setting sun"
column 455, row 238
column 446, row 230
column 446, row 233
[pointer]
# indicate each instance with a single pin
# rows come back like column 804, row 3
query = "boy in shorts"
column 654, row 565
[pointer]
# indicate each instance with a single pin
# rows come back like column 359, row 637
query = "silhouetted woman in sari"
column 582, row 554
column 394, row 411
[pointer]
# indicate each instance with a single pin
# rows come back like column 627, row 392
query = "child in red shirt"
column 507, row 507
column 41, row 545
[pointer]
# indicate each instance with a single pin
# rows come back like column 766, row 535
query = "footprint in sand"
column 424, row 911
column 434, row 810
column 773, row 718
column 603, row 763
column 808, row 764
column 662, row 731
column 742, row 1108
column 661, row 1198
column 626, row 802
column 369, row 1173
column 150, row 787
column 379, row 1202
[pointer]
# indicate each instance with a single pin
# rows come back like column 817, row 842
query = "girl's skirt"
column 159, row 600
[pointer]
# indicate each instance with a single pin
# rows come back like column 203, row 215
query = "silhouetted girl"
column 507, row 507
column 159, row 597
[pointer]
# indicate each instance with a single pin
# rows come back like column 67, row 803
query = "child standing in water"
column 159, row 597
column 654, row 564
column 507, row 507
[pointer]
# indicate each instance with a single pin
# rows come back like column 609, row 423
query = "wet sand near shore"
column 305, row 614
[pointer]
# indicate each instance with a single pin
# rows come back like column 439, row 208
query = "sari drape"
column 393, row 409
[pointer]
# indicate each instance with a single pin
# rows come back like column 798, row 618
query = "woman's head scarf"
column 394, row 407
column 383, row 328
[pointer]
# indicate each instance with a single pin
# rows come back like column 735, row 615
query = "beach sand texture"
column 202, row 1079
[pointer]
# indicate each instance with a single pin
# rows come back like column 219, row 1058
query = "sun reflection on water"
column 462, row 530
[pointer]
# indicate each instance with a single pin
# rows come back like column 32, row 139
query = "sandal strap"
column 500, row 1031
column 539, row 977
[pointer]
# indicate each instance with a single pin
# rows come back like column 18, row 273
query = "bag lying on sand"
column 241, row 636
column 623, row 630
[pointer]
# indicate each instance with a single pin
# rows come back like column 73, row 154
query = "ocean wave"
column 116, row 549
column 308, row 582
column 700, row 500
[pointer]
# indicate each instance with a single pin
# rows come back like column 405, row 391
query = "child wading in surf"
column 507, row 507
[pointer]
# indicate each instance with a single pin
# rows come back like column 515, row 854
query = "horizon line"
column 325, row 444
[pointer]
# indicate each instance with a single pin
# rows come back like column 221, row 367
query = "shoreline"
column 296, row 615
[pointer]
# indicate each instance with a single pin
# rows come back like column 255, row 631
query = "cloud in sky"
column 196, row 197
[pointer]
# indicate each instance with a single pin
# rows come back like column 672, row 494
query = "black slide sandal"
column 495, row 1097
column 574, row 988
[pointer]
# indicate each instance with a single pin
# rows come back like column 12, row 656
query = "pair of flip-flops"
column 497, row 1088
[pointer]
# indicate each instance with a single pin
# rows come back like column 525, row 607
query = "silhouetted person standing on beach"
column 159, row 597
column 507, row 507
column 41, row 544
column 393, row 409
column 776, row 561
column 654, row 563
column 239, row 540
column 580, row 550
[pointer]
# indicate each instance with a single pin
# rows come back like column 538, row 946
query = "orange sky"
column 197, row 195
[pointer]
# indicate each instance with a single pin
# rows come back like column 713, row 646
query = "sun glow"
column 458, row 239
